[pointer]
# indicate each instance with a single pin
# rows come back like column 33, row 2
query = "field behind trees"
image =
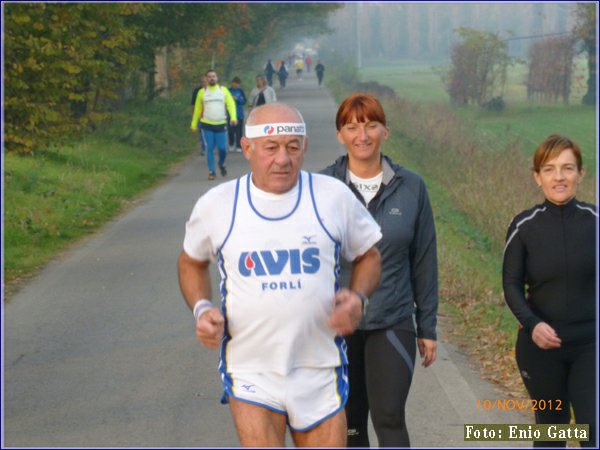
column 523, row 121
column 477, row 168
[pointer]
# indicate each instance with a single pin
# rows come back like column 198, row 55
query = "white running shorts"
column 308, row 396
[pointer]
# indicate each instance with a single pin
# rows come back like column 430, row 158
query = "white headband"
column 275, row 129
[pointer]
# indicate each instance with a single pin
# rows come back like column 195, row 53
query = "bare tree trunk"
column 590, row 96
column 162, row 73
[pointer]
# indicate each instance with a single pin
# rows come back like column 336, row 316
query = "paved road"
column 99, row 349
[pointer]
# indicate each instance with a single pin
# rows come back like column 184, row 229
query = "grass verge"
column 55, row 197
column 470, row 282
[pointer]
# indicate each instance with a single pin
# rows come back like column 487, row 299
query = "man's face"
column 212, row 78
column 276, row 161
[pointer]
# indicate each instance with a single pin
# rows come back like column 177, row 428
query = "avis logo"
column 268, row 262
column 268, row 129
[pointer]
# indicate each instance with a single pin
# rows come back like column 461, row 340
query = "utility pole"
column 358, row 38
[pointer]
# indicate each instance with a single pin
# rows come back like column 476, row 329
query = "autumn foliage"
column 62, row 66
column 551, row 69
column 478, row 69
column 68, row 65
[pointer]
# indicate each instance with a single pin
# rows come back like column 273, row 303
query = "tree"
column 248, row 31
column 585, row 29
column 63, row 64
column 66, row 65
column 168, row 24
column 550, row 69
column 479, row 67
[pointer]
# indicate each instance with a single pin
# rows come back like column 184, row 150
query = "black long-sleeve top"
column 549, row 269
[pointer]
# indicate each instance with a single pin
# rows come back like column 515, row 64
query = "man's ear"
column 246, row 147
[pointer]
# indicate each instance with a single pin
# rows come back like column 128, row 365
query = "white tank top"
column 214, row 105
column 279, row 276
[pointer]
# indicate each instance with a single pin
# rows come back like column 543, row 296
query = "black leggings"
column 567, row 374
column 381, row 364
column 235, row 133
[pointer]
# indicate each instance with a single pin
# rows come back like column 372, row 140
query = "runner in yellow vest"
column 210, row 112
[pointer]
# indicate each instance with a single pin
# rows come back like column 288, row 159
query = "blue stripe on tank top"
column 223, row 287
column 340, row 342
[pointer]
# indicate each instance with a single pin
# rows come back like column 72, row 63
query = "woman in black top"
column 549, row 280
column 382, row 351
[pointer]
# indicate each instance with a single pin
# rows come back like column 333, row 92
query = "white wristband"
column 201, row 307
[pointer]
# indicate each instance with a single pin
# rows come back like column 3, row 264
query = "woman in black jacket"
column 282, row 73
column 381, row 353
column 549, row 280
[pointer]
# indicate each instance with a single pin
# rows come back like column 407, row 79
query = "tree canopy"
column 66, row 64
column 479, row 67
column 57, row 58
column 586, row 24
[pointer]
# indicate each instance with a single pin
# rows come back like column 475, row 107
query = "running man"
column 212, row 105
column 278, row 236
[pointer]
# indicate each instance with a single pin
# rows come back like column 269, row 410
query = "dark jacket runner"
column 408, row 249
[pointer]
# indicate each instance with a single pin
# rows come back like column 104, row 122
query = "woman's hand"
column 545, row 337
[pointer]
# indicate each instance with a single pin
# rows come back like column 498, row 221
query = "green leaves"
column 479, row 67
column 68, row 64
column 58, row 56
